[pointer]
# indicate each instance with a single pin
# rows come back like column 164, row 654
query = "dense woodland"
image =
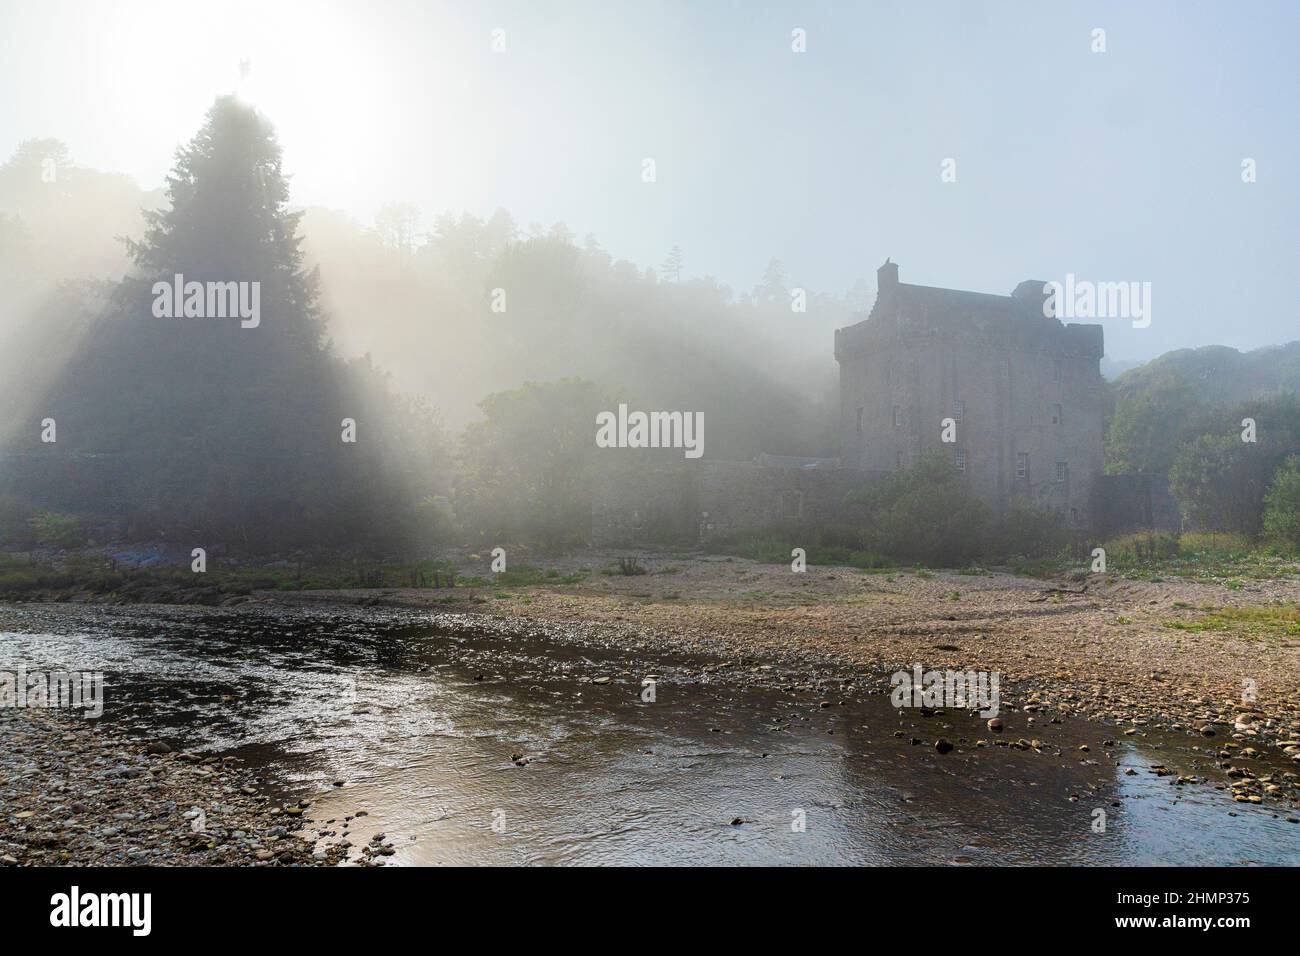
column 473, row 355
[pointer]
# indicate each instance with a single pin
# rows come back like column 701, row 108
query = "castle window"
column 898, row 464
column 1056, row 414
column 958, row 411
column 860, row 411
column 898, row 416
column 1022, row 465
column 961, row 461
column 1074, row 516
column 1056, row 370
column 1060, row 471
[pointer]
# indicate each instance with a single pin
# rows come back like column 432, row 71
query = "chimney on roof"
column 887, row 277
column 1034, row 294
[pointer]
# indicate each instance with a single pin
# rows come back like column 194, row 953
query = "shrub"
column 54, row 529
column 1282, row 504
column 1026, row 531
column 1221, row 481
column 436, row 520
column 1216, row 544
column 923, row 514
column 1142, row 546
column 630, row 566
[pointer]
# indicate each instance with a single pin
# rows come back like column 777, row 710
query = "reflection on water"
column 421, row 716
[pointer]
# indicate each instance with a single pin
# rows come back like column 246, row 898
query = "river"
column 420, row 717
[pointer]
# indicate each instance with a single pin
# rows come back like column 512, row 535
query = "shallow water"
column 420, row 713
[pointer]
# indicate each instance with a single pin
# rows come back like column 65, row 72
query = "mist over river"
column 467, row 739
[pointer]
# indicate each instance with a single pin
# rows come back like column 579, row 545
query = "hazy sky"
column 1123, row 165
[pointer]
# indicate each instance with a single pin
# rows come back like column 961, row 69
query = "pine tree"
column 213, row 430
column 672, row 267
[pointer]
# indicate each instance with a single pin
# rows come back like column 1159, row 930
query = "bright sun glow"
column 340, row 104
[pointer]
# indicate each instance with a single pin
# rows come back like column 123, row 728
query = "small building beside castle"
column 1019, row 393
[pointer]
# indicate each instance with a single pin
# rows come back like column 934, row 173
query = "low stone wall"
column 741, row 498
column 690, row 503
column 645, row 505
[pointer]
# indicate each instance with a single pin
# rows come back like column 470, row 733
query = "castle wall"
column 748, row 497
column 646, row 505
column 695, row 502
column 1026, row 386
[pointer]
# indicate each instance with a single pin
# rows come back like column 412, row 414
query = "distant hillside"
column 1218, row 375
column 1158, row 409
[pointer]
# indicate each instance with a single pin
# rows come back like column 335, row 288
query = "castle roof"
column 931, row 302
column 905, row 310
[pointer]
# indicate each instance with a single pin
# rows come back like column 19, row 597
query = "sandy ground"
column 1101, row 646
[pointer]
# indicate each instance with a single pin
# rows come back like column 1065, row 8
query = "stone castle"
column 1012, row 397
column 1021, row 392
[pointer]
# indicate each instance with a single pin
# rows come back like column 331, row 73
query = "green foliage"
column 1028, row 531
column 1223, row 558
column 100, row 576
column 57, row 530
column 1257, row 623
column 923, row 514
column 525, row 575
column 526, row 470
column 1220, row 376
column 920, row 516
column 205, row 429
column 437, row 519
column 1220, row 480
column 1142, row 546
column 1282, row 505
column 776, row 547
column 572, row 311
column 1209, row 478
column 1225, row 545
column 1145, row 431
column 1181, row 415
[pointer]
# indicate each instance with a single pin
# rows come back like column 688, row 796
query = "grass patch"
column 523, row 576
column 99, row 575
column 775, row 549
column 1195, row 555
column 1257, row 622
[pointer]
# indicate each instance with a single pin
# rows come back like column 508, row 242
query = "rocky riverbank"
column 71, row 794
column 1138, row 656
column 402, row 684
column 1131, row 653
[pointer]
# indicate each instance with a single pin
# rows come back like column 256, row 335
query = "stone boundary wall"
column 691, row 503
